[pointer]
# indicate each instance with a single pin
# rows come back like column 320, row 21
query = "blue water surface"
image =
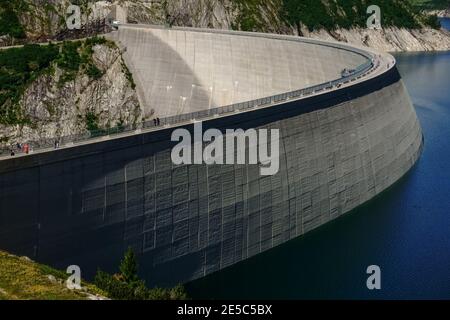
column 445, row 23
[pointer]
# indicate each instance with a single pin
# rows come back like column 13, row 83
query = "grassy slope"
column 21, row 278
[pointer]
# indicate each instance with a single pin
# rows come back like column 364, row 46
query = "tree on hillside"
column 129, row 267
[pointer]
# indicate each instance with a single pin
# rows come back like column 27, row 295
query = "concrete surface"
column 180, row 71
column 86, row 204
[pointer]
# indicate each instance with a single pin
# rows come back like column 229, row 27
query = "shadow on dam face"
column 87, row 204
column 165, row 83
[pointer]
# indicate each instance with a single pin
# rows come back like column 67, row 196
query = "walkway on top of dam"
column 377, row 65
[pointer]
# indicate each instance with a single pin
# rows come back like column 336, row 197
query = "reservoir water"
column 405, row 231
column 445, row 22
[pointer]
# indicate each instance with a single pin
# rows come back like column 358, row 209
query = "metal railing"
column 68, row 141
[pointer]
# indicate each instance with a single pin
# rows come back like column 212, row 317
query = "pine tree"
column 129, row 267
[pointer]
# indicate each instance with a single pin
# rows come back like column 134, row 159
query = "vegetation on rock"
column 431, row 4
column 19, row 67
column 9, row 20
column 331, row 14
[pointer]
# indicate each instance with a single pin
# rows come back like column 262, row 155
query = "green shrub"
column 129, row 76
column 119, row 290
column 67, row 76
column 10, row 24
column 178, row 293
column 91, row 122
column 433, row 22
column 93, row 72
column 96, row 40
column 69, row 58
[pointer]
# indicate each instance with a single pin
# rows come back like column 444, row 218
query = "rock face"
column 440, row 13
column 60, row 109
column 225, row 14
column 194, row 13
column 45, row 19
column 389, row 39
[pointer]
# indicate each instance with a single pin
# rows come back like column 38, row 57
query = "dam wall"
column 86, row 204
column 181, row 70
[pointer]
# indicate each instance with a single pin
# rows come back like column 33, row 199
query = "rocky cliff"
column 33, row 21
column 275, row 16
column 390, row 39
column 405, row 27
column 444, row 13
column 58, row 103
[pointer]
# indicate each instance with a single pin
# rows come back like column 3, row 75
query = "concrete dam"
column 344, row 138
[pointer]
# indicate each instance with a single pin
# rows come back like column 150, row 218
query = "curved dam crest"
column 86, row 204
column 182, row 71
